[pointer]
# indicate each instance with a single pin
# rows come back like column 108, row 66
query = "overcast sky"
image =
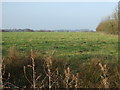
column 55, row 15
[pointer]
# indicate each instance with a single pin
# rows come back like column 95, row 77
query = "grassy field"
column 82, row 51
column 69, row 45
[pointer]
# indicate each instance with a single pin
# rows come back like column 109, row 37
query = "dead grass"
column 34, row 71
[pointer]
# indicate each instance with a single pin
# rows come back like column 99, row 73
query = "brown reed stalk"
column 57, row 74
column 67, row 77
column 49, row 64
column 1, row 83
column 33, row 69
column 104, row 76
column 75, row 78
column 24, row 69
column 8, row 83
column 34, row 76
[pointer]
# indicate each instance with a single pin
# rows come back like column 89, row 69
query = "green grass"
column 68, row 45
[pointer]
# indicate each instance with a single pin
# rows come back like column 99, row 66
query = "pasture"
column 67, row 45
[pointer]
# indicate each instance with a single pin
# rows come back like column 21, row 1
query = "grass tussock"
column 35, row 71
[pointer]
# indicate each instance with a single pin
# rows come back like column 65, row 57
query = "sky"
column 59, row 0
column 55, row 15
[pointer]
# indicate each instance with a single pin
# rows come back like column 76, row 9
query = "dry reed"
column 1, row 83
column 49, row 65
column 104, row 76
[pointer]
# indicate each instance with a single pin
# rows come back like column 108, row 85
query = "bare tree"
column 114, row 16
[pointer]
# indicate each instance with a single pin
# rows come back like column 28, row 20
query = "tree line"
column 31, row 30
column 110, row 23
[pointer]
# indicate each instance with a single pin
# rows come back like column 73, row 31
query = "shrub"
column 109, row 24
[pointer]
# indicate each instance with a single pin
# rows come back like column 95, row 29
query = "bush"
column 109, row 26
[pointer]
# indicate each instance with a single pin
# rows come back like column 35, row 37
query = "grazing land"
column 77, row 45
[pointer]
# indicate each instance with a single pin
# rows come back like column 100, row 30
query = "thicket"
column 109, row 24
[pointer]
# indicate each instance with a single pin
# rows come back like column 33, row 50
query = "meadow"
column 64, row 44
column 74, row 50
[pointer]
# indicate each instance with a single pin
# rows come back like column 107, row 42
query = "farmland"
column 80, row 50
